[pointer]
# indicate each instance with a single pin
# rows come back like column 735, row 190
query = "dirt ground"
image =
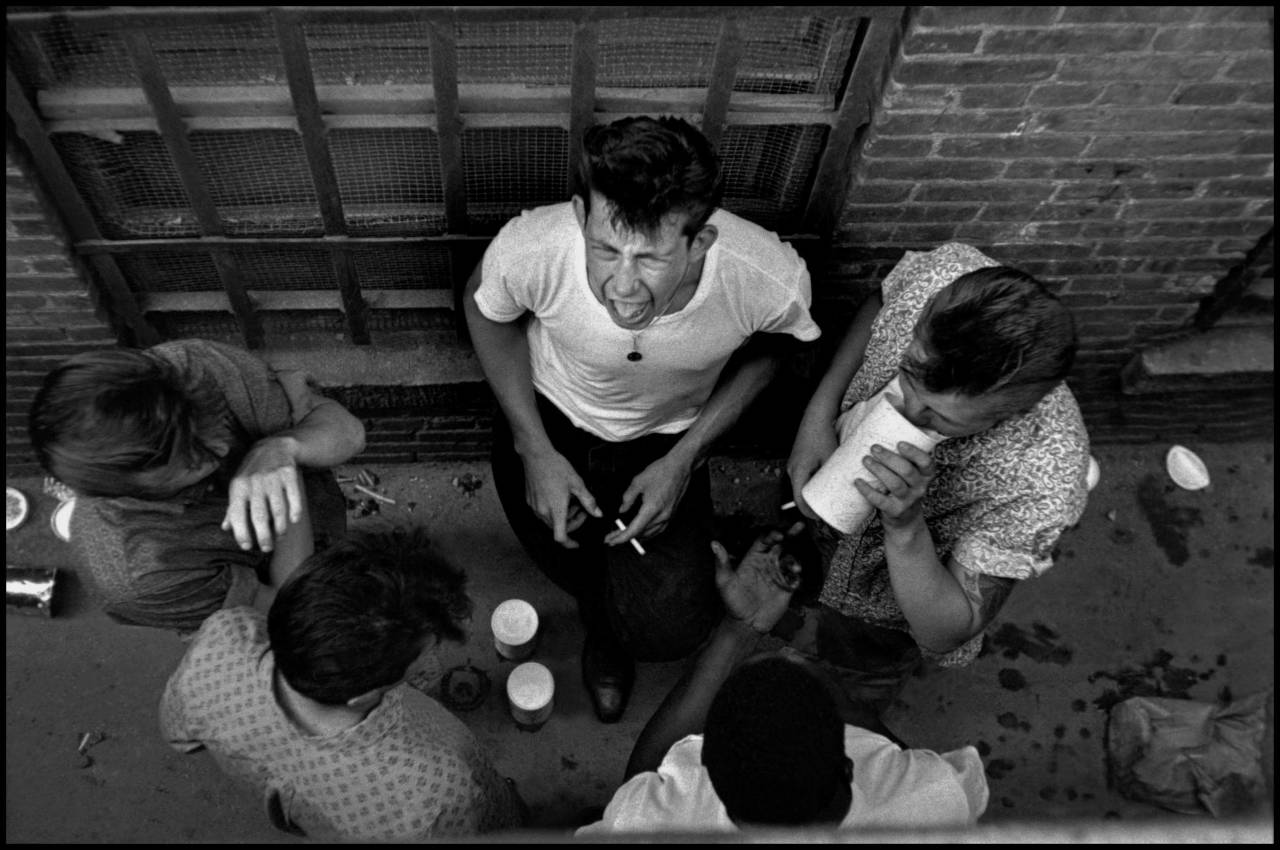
column 1158, row 591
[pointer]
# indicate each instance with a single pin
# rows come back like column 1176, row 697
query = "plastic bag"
column 1191, row 757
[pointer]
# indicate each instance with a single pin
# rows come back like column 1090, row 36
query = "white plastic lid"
column 61, row 519
column 530, row 686
column 1186, row 469
column 16, row 508
column 514, row 622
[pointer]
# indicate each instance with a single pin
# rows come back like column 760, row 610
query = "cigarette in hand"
column 622, row 526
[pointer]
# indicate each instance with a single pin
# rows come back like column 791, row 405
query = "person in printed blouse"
column 978, row 353
column 310, row 704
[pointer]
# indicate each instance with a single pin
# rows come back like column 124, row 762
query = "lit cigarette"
column 788, row 506
column 622, row 526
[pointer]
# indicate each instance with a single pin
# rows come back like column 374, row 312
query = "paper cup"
column 29, row 590
column 60, row 521
column 830, row 492
column 515, row 626
column 530, row 692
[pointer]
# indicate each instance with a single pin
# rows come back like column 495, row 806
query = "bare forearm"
column 327, row 436
column 745, row 377
column 931, row 599
column 824, row 406
column 684, row 711
column 294, row 544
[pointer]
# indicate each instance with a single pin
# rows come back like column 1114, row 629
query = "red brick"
column 1090, row 190
column 984, row 191
column 1211, row 39
column 1079, row 169
column 1222, row 14
column 24, row 302
column 1191, row 119
column 1025, row 251
column 1136, row 94
column 1263, row 93
column 1014, row 148
column 872, row 213
column 1113, row 229
column 928, row 236
column 36, row 247
column 1240, row 188
column 879, row 193
column 1258, row 67
column 1068, row 40
column 1172, row 189
column 932, row 169
column 14, row 335
column 975, row 71
column 1233, row 167
column 1165, row 144
column 1153, row 247
column 1126, row 14
column 994, row 97
column 1209, row 210
column 1150, row 67
column 896, row 146
column 1209, row 94
column 1055, row 94
column 1198, row 228
column 102, row 335
column 962, row 16
column 923, row 42
column 53, row 265
column 42, row 283
column 952, row 123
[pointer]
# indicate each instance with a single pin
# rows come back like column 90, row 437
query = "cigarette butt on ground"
column 788, row 506
column 622, row 526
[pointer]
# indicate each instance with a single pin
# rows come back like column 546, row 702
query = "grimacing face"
column 638, row 276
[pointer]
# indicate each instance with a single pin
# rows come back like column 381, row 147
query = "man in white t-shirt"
column 770, row 743
column 622, row 333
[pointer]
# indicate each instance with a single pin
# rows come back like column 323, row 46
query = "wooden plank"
column 75, row 213
column 353, row 305
column 307, row 108
column 444, row 79
column 724, row 72
column 232, row 284
column 586, row 38
column 174, row 132
column 297, row 300
column 198, row 246
column 830, row 182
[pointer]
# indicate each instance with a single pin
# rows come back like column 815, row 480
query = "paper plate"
column 1095, row 472
column 61, row 519
column 1186, row 470
column 16, row 508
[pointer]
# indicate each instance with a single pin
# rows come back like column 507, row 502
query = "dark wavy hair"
column 994, row 330
column 103, row 416
column 648, row 168
column 354, row 617
column 774, row 744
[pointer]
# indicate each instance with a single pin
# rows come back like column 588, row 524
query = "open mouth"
column 630, row 312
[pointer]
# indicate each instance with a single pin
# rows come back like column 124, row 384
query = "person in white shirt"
column 622, row 333
column 769, row 743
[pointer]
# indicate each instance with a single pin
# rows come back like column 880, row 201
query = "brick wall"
column 1121, row 154
column 49, row 314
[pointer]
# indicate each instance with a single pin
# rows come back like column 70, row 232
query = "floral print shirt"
column 999, row 499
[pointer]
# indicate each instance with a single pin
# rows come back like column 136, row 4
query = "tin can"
column 29, row 590
column 515, row 629
column 531, row 693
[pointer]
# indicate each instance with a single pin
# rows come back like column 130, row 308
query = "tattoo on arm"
column 992, row 591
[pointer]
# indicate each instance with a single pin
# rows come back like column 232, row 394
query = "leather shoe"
column 608, row 676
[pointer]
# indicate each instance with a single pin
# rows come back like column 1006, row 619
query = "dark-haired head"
column 125, row 423
column 996, row 333
column 650, row 168
column 353, row 618
column 774, row 746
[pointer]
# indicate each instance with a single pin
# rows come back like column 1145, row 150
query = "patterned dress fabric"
column 408, row 771
column 999, row 499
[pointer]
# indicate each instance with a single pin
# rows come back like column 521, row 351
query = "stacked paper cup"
column 830, row 492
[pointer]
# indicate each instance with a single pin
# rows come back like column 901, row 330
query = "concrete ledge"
column 1219, row 359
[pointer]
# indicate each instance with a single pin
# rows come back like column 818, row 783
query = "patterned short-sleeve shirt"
column 409, row 770
column 999, row 499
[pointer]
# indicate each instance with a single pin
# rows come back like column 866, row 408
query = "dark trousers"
column 659, row 606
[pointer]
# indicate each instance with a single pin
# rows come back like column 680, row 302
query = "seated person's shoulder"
column 231, row 628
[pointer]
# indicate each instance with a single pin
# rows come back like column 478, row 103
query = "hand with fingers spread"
column 759, row 590
column 558, row 495
column 659, row 489
column 903, row 477
column 264, row 496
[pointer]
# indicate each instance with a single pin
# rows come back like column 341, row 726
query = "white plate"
column 61, row 519
column 1095, row 472
column 1186, row 469
column 16, row 508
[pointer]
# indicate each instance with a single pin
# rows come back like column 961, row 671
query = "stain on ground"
column 1156, row 677
column 1009, row 720
column 998, row 768
column 1169, row 523
column 567, row 763
column 1264, row 557
column 468, row 484
column 1038, row 645
column 1012, row 680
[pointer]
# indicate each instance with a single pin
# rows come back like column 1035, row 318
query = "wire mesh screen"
column 422, row 266
column 522, row 52
column 794, row 54
column 768, row 170
column 165, row 272
column 511, row 169
column 389, row 180
column 355, row 53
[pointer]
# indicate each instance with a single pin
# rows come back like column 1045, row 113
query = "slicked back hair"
column 649, row 168
column 994, row 331
column 102, row 416
column 354, row 617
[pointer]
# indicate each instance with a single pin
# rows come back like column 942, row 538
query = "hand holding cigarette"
column 622, row 526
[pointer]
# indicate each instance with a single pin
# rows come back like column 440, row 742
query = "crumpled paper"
column 1188, row 756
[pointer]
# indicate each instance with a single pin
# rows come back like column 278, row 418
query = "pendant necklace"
column 634, row 355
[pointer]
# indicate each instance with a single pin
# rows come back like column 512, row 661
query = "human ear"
column 702, row 241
